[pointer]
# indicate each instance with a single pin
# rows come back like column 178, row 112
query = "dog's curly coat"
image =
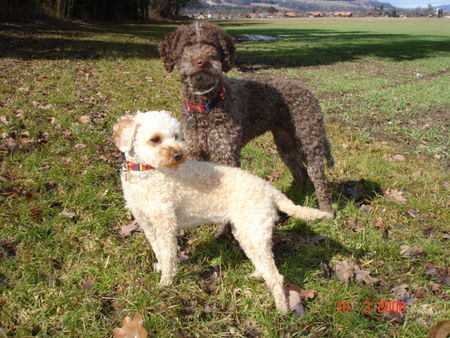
column 173, row 195
column 252, row 106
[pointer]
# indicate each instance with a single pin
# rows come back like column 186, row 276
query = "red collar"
column 201, row 108
column 131, row 166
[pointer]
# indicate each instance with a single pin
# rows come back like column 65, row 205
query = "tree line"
column 104, row 10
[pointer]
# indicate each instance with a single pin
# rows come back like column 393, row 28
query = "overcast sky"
column 416, row 3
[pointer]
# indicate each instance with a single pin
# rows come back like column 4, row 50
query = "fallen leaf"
column 398, row 157
column 68, row 214
column 344, row 270
column 435, row 288
column 395, row 195
column 305, row 295
column 79, row 146
column 188, row 311
column 395, row 317
column 87, row 283
column 408, row 299
column 429, row 230
column 400, row 290
column 412, row 252
column 207, row 310
column 440, row 330
column 128, row 229
column 84, row 119
column 365, row 208
column 415, row 214
column 424, row 322
column 209, row 287
column 353, row 224
column 131, row 328
column 364, row 276
column 250, row 330
column 294, row 302
column 440, row 272
column 36, row 213
column 378, row 223
column 326, row 270
column 418, row 291
column 274, row 175
column 210, row 272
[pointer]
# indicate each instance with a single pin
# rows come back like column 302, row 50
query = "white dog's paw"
column 165, row 281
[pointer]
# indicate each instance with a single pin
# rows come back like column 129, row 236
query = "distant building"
column 316, row 14
column 293, row 14
column 343, row 14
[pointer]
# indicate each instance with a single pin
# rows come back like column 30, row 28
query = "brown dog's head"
column 201, row 51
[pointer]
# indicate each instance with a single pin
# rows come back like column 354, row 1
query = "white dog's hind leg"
column 257, row 247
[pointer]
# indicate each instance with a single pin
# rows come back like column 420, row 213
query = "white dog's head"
column 152, row 138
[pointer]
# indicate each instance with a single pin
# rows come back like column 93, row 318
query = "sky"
column 416, row 3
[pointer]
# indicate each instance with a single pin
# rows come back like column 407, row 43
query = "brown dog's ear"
column 228, row 49
column 124, row 131
column 168, row 50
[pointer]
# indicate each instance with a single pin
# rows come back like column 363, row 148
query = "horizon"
column 415, row 3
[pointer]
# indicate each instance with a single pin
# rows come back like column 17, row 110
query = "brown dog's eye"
column 156, row 139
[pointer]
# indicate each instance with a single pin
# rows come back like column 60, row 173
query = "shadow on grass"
column 311, row 47
column 298, row 249
column 300, row 47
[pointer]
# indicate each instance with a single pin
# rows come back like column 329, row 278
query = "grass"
column 65, row 270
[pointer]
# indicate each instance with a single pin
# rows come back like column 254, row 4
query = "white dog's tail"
column 309, row 214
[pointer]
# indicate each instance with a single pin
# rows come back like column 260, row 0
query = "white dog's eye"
column 156, row 139
column 176, row 137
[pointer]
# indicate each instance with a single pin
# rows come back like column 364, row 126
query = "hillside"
column 302, row 5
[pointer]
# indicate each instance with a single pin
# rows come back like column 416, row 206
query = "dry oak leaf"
column 440, row 272
column 395, row 195
column 131, row 328
column 353, row 224
column 440, row 330
column 84, row 119
column 412, row 252
column 364, row 276
column 378, row 223
column 304, row 294
column 400, row 290
column 294, row 300
column 344, row 270
column 128, row 229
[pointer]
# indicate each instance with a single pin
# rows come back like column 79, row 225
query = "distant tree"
column 105, row 10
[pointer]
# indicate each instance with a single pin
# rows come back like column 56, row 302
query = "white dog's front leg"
column 167, row 257
column 161, row 233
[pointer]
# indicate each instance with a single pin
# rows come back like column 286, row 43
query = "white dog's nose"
column 177, row 156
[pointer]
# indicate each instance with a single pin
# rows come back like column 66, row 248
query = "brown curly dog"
column 221, row 114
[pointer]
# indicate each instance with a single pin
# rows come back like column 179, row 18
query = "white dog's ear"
column 124, row 132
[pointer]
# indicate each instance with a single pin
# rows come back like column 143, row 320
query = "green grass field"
column 66, row 271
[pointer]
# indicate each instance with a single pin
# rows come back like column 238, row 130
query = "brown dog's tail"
column 285, row 205
column 327, row 153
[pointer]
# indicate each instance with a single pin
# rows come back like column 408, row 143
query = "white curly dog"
column 166, row 193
